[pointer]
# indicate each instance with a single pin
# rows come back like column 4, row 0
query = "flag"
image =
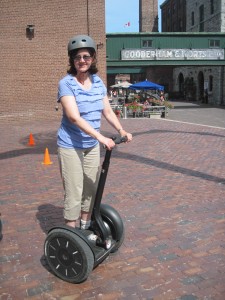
column 127, row 24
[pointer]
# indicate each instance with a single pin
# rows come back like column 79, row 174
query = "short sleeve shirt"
column 90, row 106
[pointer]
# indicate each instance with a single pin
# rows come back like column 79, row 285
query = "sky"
column 121, row 12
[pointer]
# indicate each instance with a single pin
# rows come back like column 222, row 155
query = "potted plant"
column 133, row 107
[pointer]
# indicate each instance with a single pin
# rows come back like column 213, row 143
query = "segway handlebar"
column 119, row 139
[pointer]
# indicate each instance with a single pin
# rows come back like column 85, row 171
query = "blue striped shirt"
column 90, row 106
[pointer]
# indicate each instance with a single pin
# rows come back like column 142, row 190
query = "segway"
column 72, row 253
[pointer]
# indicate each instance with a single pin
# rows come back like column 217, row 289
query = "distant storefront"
column 189, row 65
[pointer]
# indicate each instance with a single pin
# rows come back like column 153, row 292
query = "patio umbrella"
column 126, row 85
column 122, row 85
column 146, row 85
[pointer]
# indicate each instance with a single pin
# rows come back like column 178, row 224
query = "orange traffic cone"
column 47, row 160
column 31, row 140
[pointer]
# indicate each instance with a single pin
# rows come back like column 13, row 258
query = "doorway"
column 181, row 84
column 201, row 86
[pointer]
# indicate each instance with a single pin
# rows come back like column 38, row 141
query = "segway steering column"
column 97, row 222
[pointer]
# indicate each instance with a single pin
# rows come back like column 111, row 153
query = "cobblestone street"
column 169, row 187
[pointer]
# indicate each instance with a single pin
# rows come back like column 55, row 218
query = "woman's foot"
column 71, row 223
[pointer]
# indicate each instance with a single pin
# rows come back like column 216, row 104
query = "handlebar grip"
column 118, row 139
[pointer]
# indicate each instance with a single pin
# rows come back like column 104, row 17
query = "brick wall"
column 173, row 15
column 161, row 76
column 148, row 15
column 31, row 68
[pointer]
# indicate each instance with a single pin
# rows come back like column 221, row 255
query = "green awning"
column 124, row 70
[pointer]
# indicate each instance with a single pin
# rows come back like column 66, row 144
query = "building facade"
column 193, row 16
column 184, row 63
column 205, row 16
column 173, row 16
column 33, row 49
column 205, row 84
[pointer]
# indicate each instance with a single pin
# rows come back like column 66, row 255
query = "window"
column 147, row 43
column 212, row 7
column 214, row 43
column 201, row 18
column 210, row 83
column 192, row 18
column 201, row 13
column 174, row 8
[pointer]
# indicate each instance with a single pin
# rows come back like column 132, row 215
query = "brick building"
column 173, row 15
column 193, row 16
column 206, row 16
column 201, row 16
column 148, row 16
column 33, row 49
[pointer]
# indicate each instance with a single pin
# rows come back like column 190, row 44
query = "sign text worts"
column 172, row 54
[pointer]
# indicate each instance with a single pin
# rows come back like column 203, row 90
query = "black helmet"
column 80, row 41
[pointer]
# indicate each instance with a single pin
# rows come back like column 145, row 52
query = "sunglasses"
column 85, row 57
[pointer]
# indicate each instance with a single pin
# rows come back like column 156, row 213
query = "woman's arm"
column 113, row 120
column 71, row 110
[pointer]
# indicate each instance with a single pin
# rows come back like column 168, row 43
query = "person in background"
column 84, row 100
column 162, row 98
column 146, row 103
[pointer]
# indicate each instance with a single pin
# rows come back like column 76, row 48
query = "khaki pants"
column 80, row 173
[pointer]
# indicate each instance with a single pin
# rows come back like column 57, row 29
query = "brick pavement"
column 168, row 185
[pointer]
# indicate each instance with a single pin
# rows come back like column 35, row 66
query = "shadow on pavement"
column 49, row 216
column 49, row 140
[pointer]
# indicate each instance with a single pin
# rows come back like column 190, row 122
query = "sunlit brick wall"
column 31, row 67
column 148, row 15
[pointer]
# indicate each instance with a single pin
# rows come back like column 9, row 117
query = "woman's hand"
column 107, row 142
column 128, row 135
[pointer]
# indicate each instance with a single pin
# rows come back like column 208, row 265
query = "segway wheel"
column 118, row 243
column 114, row 225
column 68, row 256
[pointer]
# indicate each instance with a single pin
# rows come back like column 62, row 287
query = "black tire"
column 114, row 224
column 118, row 243
column 68, row 256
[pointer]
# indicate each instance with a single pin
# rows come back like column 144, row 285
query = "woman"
column 83, row 97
